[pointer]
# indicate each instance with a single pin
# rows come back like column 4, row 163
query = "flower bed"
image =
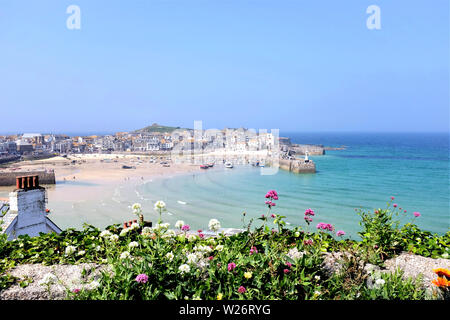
column 259, row 263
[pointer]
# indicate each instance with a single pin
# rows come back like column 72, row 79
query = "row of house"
column 228, row 139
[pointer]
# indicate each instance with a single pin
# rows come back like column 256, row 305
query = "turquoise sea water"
column 414, row 168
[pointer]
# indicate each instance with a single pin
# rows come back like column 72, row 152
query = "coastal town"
column 242, row 145
column 153, row 139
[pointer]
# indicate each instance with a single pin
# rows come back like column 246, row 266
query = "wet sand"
column 95, row 191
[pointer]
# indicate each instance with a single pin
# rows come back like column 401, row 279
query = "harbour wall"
column 298, row 166
column 313, row 150
column 9, row 178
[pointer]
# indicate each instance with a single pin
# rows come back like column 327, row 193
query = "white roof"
column 31, row 135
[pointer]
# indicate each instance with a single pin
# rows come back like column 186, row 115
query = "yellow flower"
column 219, row 296
column 248, row 275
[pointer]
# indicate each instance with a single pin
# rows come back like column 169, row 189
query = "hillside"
column 158, row 128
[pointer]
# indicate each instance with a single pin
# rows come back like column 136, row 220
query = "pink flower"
column 308, row 219
column 309, row 212
column 395, row 205
column 186, row 227
column 416, row 214
column 199, row 230
column 404, row 211
column 253, row 250
column 340, row 233
column 201, row 235
column 272, row 194
column 288, row 264
column 210, row 258
column 286, row 271
column 392, row 198
column 308, row 242
column 142, row 278
column 76, row 290
column 241, row 289
column 262, row 216
column 231, row 266
column 325, row 226
column 273, row 216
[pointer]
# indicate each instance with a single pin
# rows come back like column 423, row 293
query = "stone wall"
column 313, row 150
column 298, row 166
column 9, row 178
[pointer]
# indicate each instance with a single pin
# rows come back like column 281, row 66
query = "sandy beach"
column 106, row 168
column 94, row 188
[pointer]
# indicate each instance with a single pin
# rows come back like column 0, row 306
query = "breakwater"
column 313, row 150
column 8, row 178
column 298, row 166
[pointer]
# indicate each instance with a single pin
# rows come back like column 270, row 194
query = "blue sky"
column 293, row 65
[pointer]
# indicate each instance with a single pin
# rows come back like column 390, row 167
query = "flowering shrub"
column 157, row 263
column 383, row 235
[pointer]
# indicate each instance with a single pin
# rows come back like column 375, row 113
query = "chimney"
column 27, row 182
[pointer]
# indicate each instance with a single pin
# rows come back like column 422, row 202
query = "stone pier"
column 298, row 166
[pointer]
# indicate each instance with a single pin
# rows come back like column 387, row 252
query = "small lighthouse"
column 27, row 212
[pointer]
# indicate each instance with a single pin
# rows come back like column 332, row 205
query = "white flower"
column 179, row 224
column 134, row 225
column 146, row 230
column 219, row 247
column 169, row 234
column 105, row 234
column 184, row 268
column 317, row 278
column 48, row 279
column 136, row 207
column 124, row 255
column 379, row 283
column 316, row 293
column 162, row 226
column 133, row 244
column 192, row 237
column 81, row 252
column 170, row 256
column 192, row 258
column 160, row 205
column 114, row 237
column 294, row 254
column 214, row 225
column 70, row 250
column 98, row 248
column 124, row 232
column 202, row 248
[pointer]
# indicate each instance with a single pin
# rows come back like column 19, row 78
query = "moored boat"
column 228, row 164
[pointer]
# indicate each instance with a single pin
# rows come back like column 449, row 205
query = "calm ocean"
column 414, row 168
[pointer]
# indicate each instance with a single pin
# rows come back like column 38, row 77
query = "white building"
column 27, row 213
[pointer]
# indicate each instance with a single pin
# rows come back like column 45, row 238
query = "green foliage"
column 382, row 237
column 424, row 243
column 270, row 264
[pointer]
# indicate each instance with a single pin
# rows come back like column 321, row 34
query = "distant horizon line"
column 86, row 133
